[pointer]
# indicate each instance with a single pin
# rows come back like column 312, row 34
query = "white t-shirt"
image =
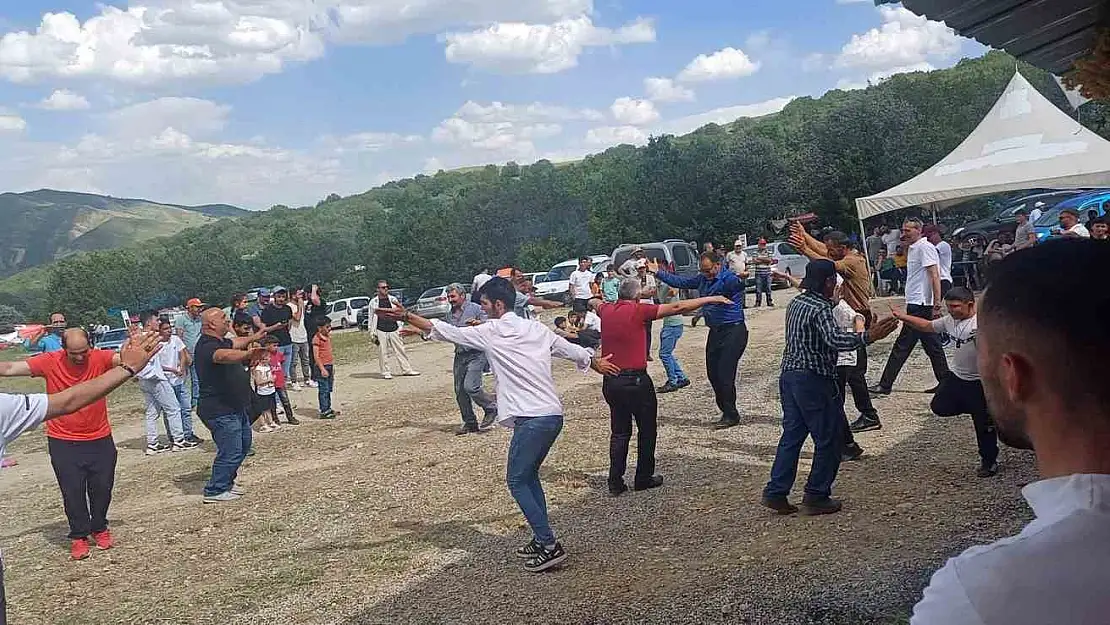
column 592, row 321
column 1054, row 571
column 892, row 239
column 152, row 370
column 297, row 331
column 647, row 284
column 964, row 362
column 19, row 413
column 170, row 356
column 1034, row 215
column 845, row 318
column 944, row 255
column 1080, row 230
column 581, row 281
column 479, row 281
column 263, row 378
column 919, row 289
column 737, row 261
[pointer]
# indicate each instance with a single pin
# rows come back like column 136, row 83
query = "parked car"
column 344, row 312
column 1006, row 220
column 405, row 296
column 112, row 339
column 537, row 276
column 557, row 285
column 791, row 262
column 433, row 303
column 675, row 255
column 1097, row 201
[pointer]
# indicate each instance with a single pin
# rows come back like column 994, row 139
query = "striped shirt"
column 761, row 268
column 813, row 339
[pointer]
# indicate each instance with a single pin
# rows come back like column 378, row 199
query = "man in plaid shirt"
column 811, row 404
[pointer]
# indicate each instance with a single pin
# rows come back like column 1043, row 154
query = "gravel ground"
column 384, row 516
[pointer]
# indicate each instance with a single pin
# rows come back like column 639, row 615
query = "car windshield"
column 113, row 336
column 432, row 293
column 600, row 266
column 360, row 302
column 560, row 273
column 538, row 278
column 1049, row 218
column 650, row 252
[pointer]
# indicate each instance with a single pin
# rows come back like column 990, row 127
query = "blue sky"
column 257, row 102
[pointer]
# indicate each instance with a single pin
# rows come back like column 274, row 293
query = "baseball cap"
column 279, row 289
column 194, row 302
column 264, row 292
column 818, row 273
column 637, row 248
column 1070, row 211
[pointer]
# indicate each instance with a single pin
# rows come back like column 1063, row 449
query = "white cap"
column 839, row 280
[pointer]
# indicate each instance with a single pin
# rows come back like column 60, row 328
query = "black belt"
column 632, row 372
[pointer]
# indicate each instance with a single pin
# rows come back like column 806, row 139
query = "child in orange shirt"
column 325, row 366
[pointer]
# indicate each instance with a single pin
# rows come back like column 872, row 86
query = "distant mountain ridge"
column 42, row 226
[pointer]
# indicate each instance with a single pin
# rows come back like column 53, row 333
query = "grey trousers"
column 468, row 386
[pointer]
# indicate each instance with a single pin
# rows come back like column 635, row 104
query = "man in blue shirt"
column 728, row 334
column 49, row 339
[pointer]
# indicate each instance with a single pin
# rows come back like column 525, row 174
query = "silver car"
column 433, row 303
column 790, row 261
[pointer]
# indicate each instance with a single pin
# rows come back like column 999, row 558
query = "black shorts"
column 579, row 305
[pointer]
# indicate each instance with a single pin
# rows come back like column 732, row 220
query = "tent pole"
column 933, row 206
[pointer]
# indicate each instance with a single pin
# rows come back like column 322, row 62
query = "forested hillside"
column 816, row 155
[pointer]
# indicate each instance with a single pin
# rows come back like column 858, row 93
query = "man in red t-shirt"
column 80, row 444
column 631, row 394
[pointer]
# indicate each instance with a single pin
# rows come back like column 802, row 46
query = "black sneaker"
column 878, row 390
column 488, row 421
column 330, row 414
column 291, row 420
column 184, row 445
column 467, row 429
column 531, row 550
column 694, row 322
column 654, row 481
column 852, row 452
column 865, row 424
column 667, row 388
column 193, row 438
column 616, row 490
column 781, row 505
column 157, row 448
column 987, row 470
column 683, row 384
column 546, row 559
column 931, row 391
column 816, row 507
column 724, row 424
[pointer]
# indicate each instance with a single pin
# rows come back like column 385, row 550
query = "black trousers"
column 945, row 286
column 631, row 396
column 283, row 397
column 647, row 330
column 723, row 350
column 956, row 397
column 3, row 599
column 86, row 472
column 855, row 378
column 907, row 340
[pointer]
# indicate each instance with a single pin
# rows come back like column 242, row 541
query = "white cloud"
column 388, row 21
column 10, row 122
column 722, row 64
column 517, row 47
column 64, row 100
column 519, row 113
column 814, row 62
column 191, row 116
column 665, row 90
column 690, row 123
column 903, row 39
column 372, row 142
column 607, row 136
column 633, row 112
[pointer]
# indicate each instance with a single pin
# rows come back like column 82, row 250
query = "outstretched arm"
column 134, row 355
column 917, row 323
column 690, row 305
column 17, row 369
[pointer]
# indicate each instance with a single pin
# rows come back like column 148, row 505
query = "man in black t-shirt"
column 278, row 313
column 225, row 393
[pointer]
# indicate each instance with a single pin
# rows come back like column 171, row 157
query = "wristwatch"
column 128, row 369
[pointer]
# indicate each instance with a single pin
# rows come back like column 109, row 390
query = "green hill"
column 45, row 225
column 817, row 154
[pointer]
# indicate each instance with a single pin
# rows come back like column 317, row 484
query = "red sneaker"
column 103, row 539
column 79, row 549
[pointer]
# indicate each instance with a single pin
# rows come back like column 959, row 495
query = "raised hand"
column 881, row 329
column 139, row 349
column 652, row 265
column 396, row 313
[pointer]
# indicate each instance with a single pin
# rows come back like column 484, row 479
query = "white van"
column 344, row 312
column 557, row 285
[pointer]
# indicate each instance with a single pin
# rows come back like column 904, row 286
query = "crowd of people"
column 1017, row 378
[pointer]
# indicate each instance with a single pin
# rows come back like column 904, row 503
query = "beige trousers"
column 391, row 342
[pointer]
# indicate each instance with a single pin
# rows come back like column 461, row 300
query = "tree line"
column 815, row 155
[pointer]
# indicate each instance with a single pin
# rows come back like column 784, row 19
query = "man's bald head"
column 75, row 342
column 214, row 322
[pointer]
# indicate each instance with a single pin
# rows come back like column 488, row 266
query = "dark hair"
column 959, row 294
column 323, row 321
column 384, row 283
column 712, row 257
column 242, row 319
column 1098, row 220
column 559, row 321
column 269, row 340
column 163, row 321
column 1057, row 315
column 499, row 290
column 238, row 297
column 584, row 258
column 836, row 237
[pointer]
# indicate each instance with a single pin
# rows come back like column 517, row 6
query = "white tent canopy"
column 1024, row 142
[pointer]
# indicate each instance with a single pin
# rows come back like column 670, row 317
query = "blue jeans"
column 232, row 435
column 324, row 388
column 186, row 415
column 194, row 387
column 762, row 285
column 287, row 361
column 532, row 439
column 668, row 338
column 811, row 406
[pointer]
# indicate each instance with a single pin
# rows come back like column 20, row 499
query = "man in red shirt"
column 80, row 444
column 631, row 394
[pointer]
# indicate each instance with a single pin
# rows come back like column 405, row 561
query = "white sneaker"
column 311, row 384
column 237, row 490
column 222, row 497
column 296, row 386
column 411, row 374
column 387, row 376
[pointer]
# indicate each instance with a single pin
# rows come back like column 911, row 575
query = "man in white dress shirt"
column 19, row 413
column 944, row 257
column 1033, row 358
column 520, row 351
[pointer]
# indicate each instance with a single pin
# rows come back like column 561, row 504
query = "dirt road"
column 384, row 516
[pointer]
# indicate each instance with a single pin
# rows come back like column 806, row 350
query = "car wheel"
column 343, row 323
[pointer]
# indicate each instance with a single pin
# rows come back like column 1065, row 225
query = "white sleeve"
column 929, row 256
column 473, row 337
column 945, row 602
column 561, row 348
column 19, row 413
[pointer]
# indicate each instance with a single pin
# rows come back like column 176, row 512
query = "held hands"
column 139, row 349
column 397, row 313
column 719, row 299
column 882, row 328
column 936, row 311
column 604, row 365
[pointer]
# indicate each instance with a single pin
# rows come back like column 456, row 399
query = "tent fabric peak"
column 1024, row 142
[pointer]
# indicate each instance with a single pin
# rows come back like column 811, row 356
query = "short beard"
column 1009, row 420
